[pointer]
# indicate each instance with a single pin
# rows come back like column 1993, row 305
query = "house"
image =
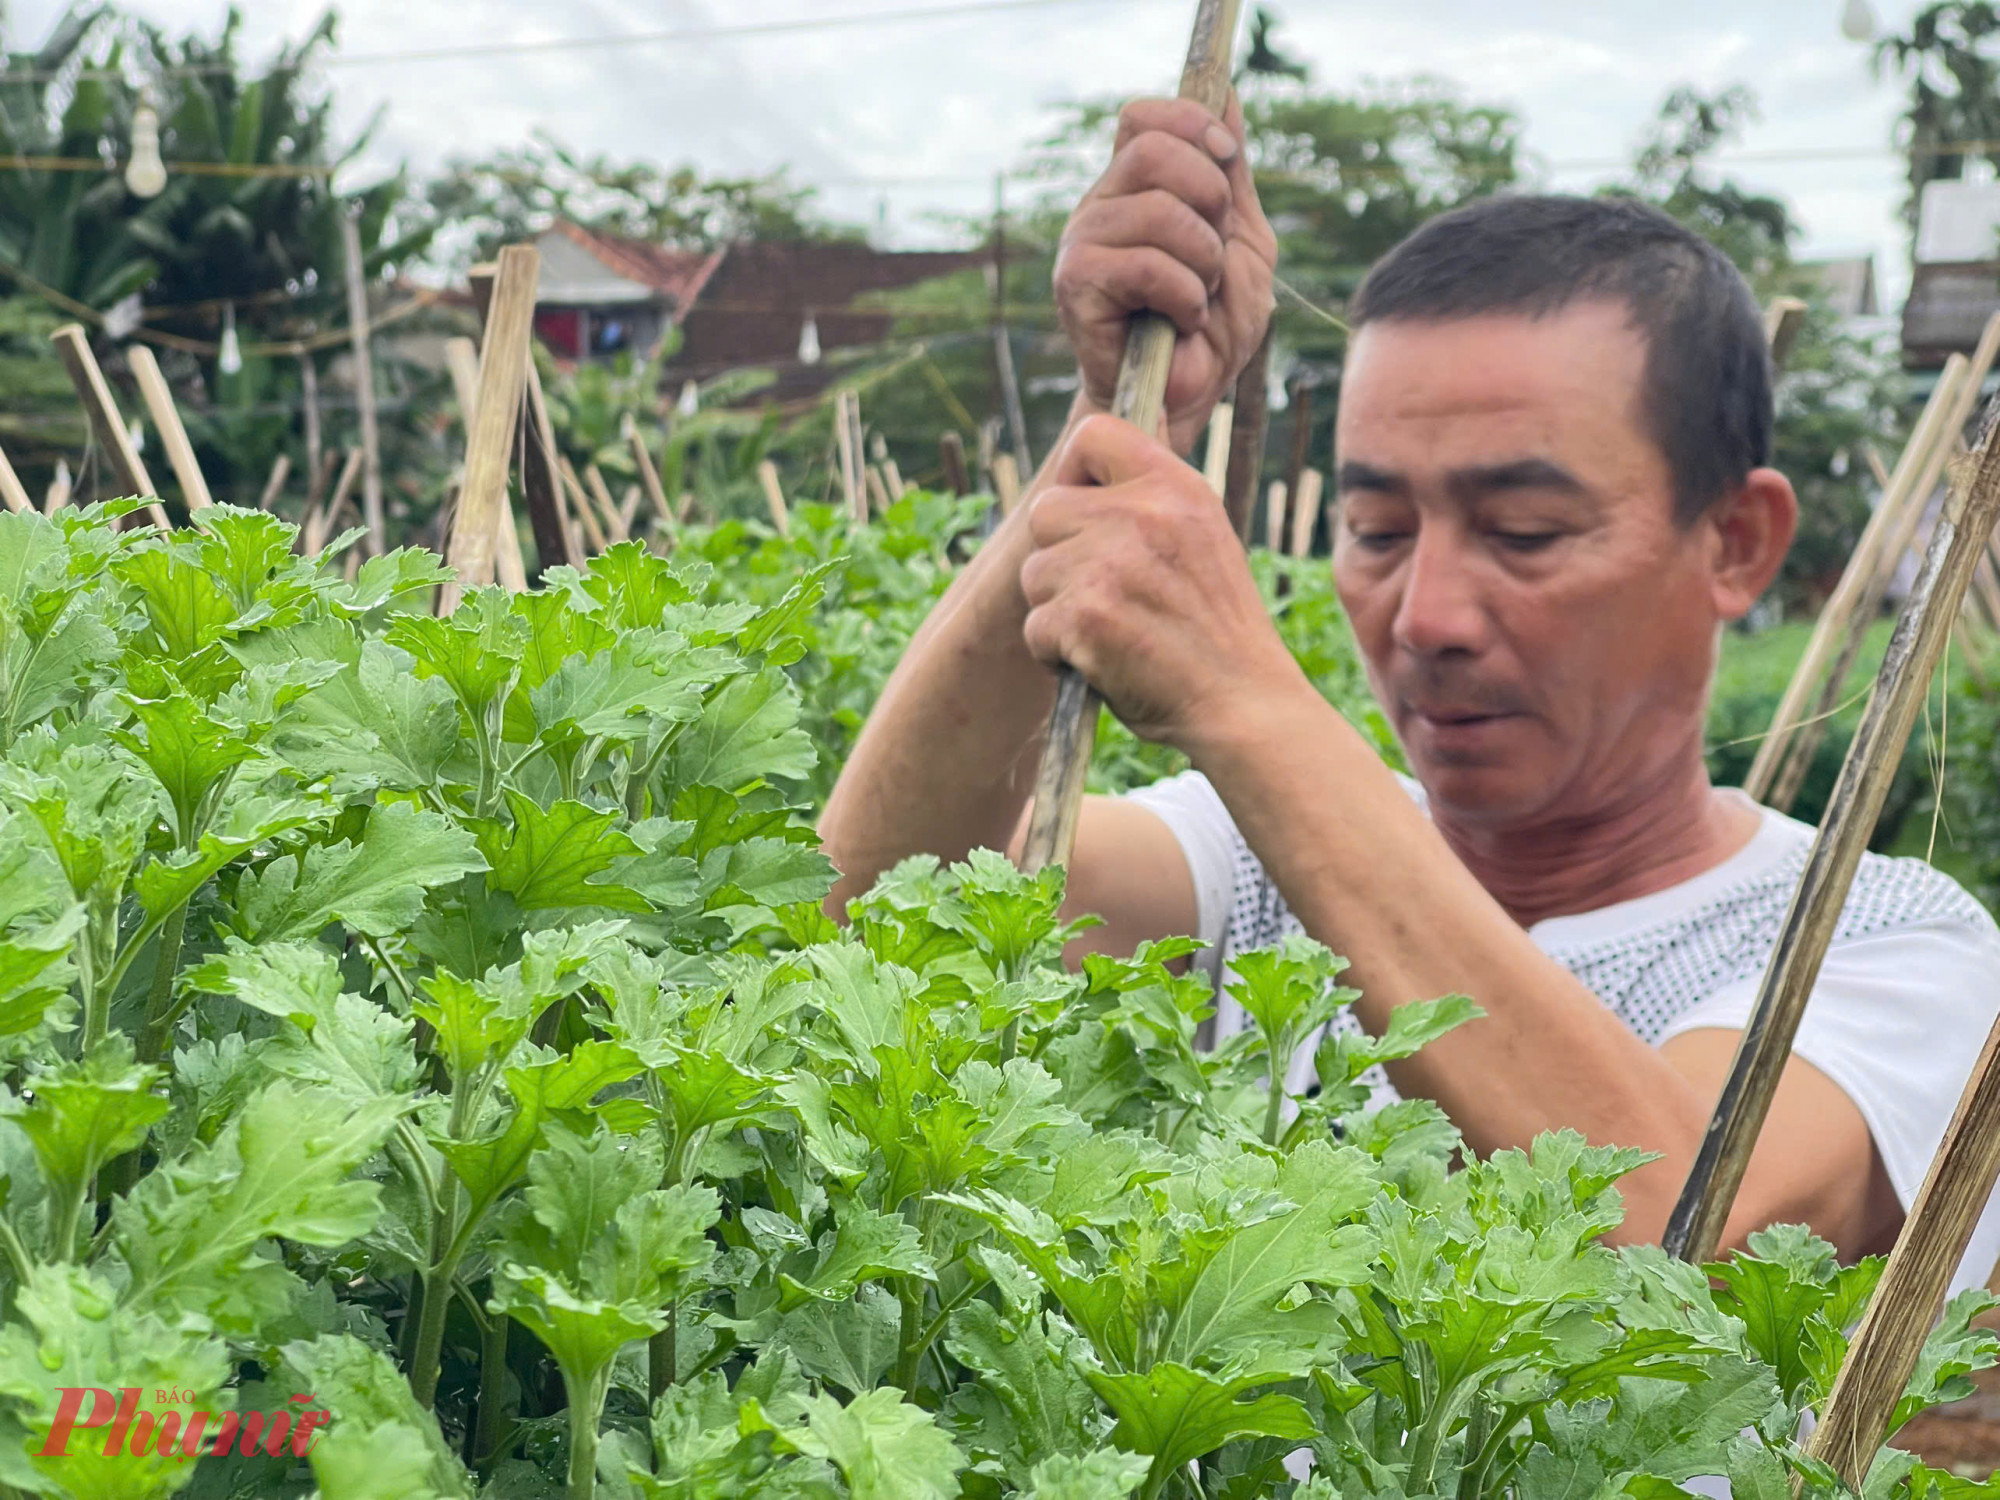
column 1955, row 281
column 744, row 305
column 1845, row 284
column 604, row 294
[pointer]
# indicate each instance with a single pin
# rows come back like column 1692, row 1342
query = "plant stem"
column 17, row 1253
column 159, row 1001
column 583, row 1413
column 428, row 1355
column 910, row 1340
column 492, row 1390
column 1274, row 1107
column 663, row 1357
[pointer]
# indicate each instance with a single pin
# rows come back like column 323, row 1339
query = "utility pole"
column 1003, row 346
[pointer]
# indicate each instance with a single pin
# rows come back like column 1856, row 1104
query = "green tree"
column 476, row 205
column 1946, row 61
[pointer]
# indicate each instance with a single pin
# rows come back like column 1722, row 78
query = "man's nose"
column 1440, row 610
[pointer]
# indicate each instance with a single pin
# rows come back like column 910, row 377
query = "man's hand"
column 1173, row 225
column 1138, row 581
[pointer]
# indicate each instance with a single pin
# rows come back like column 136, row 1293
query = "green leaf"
column 87, row 1111
column 374, row 723
column 647, row 678
column 1662, row 1429
column 749, row 734
column 1031, row 1399
column 476, row 652
column 885, row 1448
column 546, row 860
column 379, row 1444
column 1175, row 1415
column 863, row 1245
column 1104, row 1475
column 376, row 886
column 847, row 1344
column 282, row 1166
column 70, row 1329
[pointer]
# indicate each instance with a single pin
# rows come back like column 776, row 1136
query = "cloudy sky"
column 908, row 119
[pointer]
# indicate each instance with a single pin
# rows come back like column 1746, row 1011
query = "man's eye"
column 1380, row 541
column 1526, row 541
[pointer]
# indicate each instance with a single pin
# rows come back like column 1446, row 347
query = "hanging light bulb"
column 690, row 403
column 146, row 174
column 123, row 317
column 1857, row 21
column 137, row 433
column 809, row 350
column 230, row 359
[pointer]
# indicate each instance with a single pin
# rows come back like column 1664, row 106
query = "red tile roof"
column 678, row 275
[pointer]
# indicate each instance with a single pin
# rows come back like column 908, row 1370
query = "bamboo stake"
column 649, row 477
column 1908, row 1298
column 1247, row 438
column 879, row 499
column 106, row 425
column 12, row 494
column 316, row 465
column 542, row 485
column 59, row 487
column 847, row 440
column 1215, row 466
column 1274, row 516
column 503, row 369
column 159, row 399
column 1900, row 534
column 1696, row 1227
column 274, row 486
column 1139, row 399
column 892, row 476
column 319, row 522
column 628, row 507
column 1006, row 482
column 461, row 357
column 510, row 564
column 364, row 389
column 1305, row 515
column 1783, row 320
column 607, row 508
column 586, row 512
column 1833, row 620
column 951, row 451
column 774, row 497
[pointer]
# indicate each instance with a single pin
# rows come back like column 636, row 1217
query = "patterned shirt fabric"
column 1904, row 1001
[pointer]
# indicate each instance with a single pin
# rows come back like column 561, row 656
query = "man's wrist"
column 1261, row 709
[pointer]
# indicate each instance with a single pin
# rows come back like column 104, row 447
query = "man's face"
column 1538, row 629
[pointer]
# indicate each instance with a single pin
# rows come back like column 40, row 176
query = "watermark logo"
column 180, row 1428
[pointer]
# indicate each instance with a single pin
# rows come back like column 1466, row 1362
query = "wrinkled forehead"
column 1569, row 384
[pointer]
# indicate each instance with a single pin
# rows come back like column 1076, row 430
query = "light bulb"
column 229, row 359
column 123, row 317
column 690, row 403
column 809, row 350
column 1857, row 21
column 146, row 174
column 137, row 433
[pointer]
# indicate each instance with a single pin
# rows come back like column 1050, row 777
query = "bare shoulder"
column 1129, row 871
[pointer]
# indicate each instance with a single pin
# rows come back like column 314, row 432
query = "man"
column 1553, row 493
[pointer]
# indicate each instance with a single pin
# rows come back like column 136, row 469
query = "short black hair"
column 1707, row 393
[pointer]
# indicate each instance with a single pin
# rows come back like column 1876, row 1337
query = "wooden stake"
column 628, row 507
column 503, row 369
column 892, row 476
column 274, row 486
column 461, row 357
column 159, row 399
column 1139, row 399
column 1783, row 320
column 847, row 441
column 364, row 389
column 316, row 456
column 1696, row 1227
column 1305, row 515
column 586, row 511
column 1302, row 425
column 951, row 450
column 319, row 523
column 12, row 494
column 879, row 498
column 1274, row 516
column 1830, row 629
column 1215, row 468
column 1006, row 483
column 649, row 477
column 1907, row 1300
column 542, row 485
column 106, row 425
column 1247, row 438
column 607, row 508
column 1900, row 533
column 510, row 563
column 774, row 497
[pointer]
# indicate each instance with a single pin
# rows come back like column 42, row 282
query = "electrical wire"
column 472, row 51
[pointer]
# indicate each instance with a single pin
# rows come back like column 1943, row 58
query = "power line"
column 472, row 51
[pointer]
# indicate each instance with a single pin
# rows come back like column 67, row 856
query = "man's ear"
column 1749, row 532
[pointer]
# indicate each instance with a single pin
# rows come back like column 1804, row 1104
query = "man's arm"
column 1134, row 579
column 946, row 762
